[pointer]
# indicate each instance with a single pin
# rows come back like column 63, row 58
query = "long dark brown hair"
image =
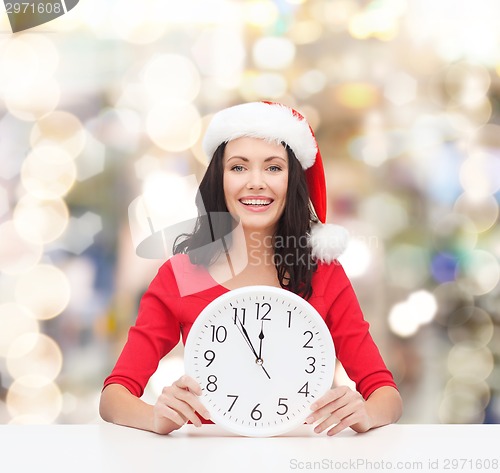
column 292, row 254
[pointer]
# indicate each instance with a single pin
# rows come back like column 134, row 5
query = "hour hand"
column 261, row 337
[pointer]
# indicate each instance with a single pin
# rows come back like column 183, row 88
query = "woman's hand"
column 178, row 404
column 341, row 406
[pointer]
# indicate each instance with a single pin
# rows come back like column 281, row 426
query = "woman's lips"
column 256, row 204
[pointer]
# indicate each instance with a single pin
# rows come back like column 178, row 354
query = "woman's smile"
column 256, row 203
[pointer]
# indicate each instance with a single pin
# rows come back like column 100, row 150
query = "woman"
column 262, row 214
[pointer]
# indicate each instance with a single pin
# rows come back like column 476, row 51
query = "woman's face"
column 255, row 182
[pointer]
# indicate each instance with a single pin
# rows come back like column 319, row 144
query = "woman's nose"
column 256, row 180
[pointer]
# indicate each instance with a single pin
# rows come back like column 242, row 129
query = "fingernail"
column 310, row 420
column 317, row 430
column 206, row 415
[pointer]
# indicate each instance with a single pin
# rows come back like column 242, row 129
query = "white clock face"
column 261, row 355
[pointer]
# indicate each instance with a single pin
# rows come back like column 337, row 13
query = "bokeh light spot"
column 357, row 95
column 480, row 175
column 174, row 126
column 137, row 22
column 356, row 258
column 405, row 318
column 171, row 77
column 40, row 221
column 33, row 101
column 59, row 128
column 260, row 13
column 470, row 324
column 16, row 254
column 44, row 290
column 385, row 212
column 34, row 353
column 470, row 359
column 34, row 396
column 15, row 320
column 273, row 53
column 48, row 172
column 479, row 272
column 444, row 267
column 482, row 210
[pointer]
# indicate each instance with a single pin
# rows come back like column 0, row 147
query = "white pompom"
column 328, row 241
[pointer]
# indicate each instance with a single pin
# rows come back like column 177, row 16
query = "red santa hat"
column 278, row 123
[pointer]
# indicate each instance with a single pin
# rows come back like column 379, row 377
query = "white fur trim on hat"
column 272, row 122
column 328, row 241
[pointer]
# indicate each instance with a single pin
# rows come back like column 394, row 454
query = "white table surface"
column 111, row 448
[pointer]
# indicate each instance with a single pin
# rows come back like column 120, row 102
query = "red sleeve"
column 155, row 333
column 354, row 346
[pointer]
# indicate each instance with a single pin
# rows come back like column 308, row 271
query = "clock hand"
column 259, row 360
column 244, row 332
column 261, row 337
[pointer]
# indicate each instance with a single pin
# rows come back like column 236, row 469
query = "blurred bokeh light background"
column 108, row 103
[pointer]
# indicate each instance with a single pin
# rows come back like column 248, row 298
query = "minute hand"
column 244, row 332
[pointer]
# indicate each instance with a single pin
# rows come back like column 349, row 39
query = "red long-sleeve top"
column 181, row 290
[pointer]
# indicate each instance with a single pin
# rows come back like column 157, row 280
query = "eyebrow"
column 270, row 158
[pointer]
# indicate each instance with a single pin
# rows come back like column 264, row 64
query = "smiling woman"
column 250, row 168
column 264, row 185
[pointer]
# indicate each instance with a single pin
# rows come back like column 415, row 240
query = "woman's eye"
column 274, row 168
column 237, row 168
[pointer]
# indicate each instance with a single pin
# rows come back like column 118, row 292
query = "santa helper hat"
column 278, row 123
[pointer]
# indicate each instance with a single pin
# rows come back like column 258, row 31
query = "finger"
column 200, row 409
column 353, row 408
column 331, row 408
column 340, row 424
column 193, row 401
column 183, row 409
column 327, row 409
column 326, row 423
column 186, row 382
column 164, row 411
column 185, row 395
column 330, row 396
column 339, row 428
column 350, row 404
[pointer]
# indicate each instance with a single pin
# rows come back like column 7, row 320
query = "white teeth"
column 255, row 202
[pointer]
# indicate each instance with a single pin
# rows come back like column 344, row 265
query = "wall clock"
column 261, row 355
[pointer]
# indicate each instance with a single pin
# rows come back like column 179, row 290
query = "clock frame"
column 262, row 355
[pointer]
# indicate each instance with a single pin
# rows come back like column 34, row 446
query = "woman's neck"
column 248, row 260
column 259, row 248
